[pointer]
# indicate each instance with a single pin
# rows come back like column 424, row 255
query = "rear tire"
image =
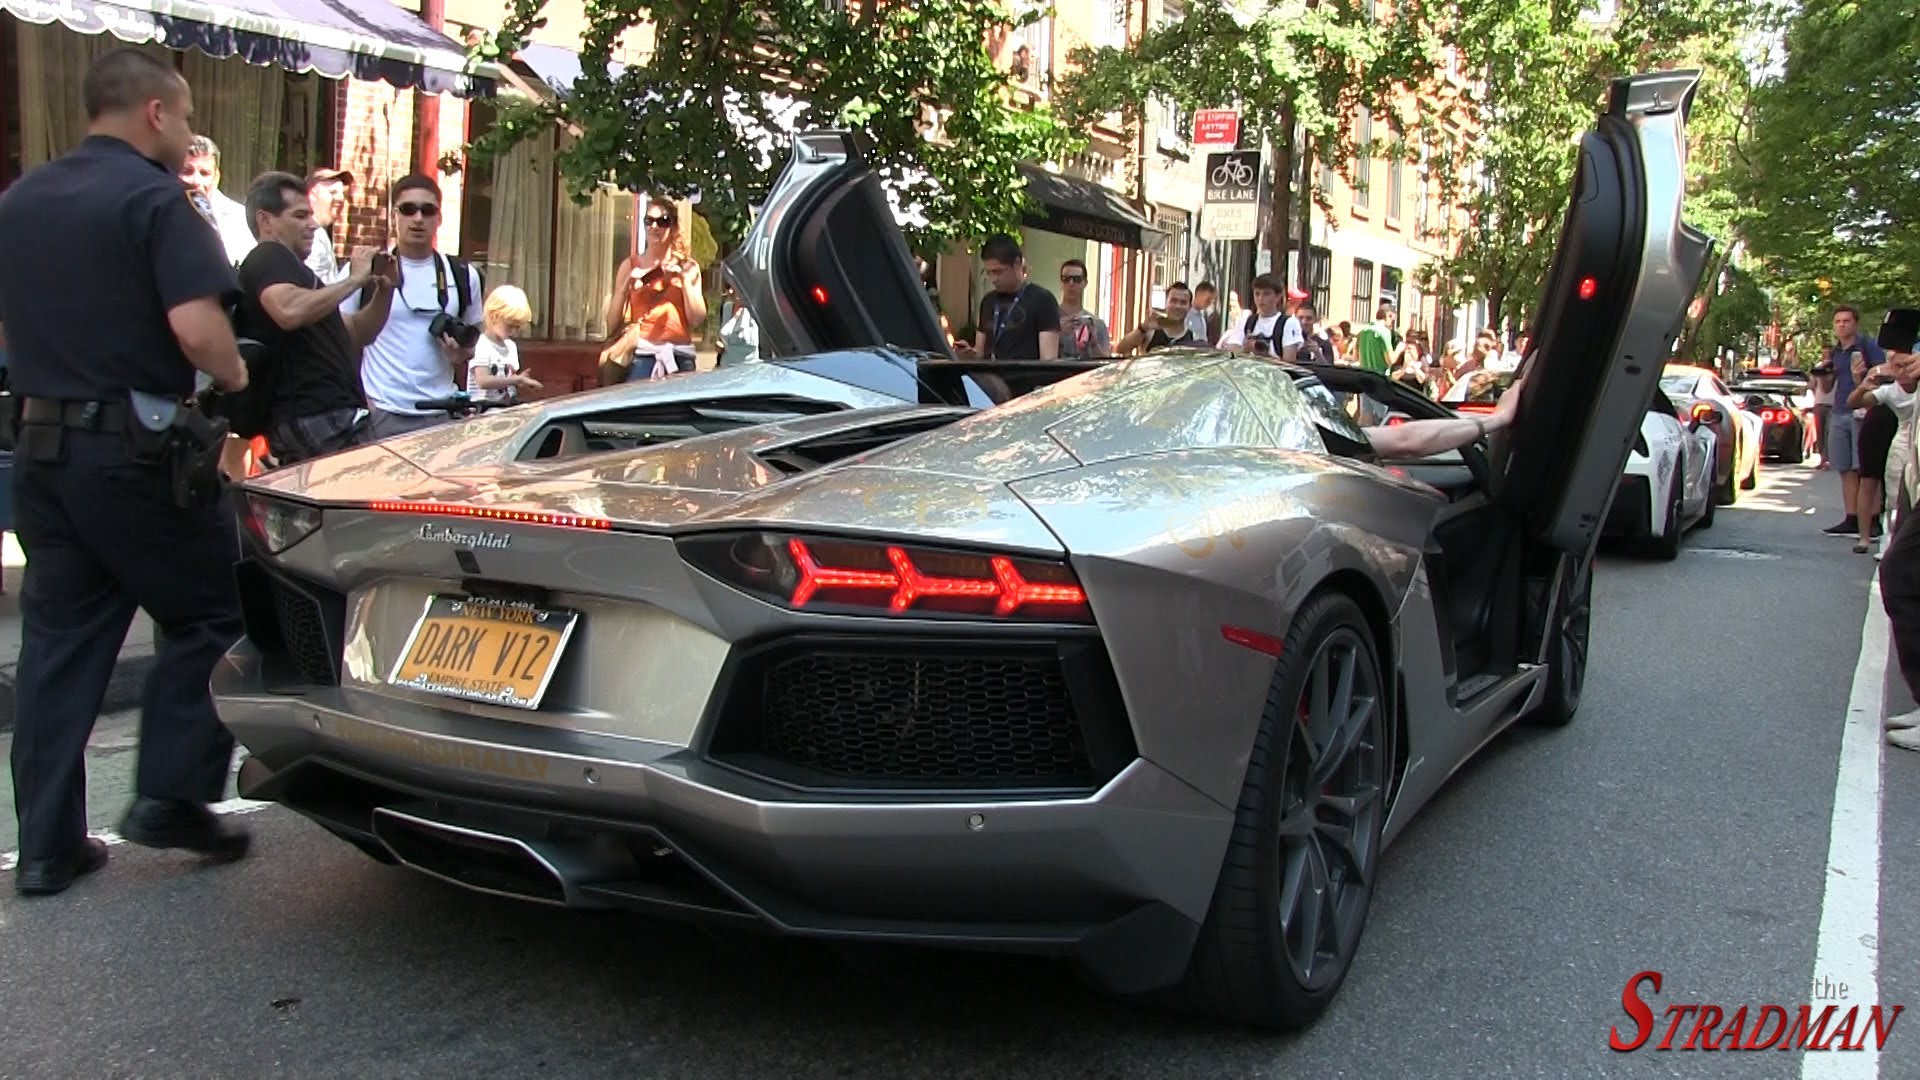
column 1567, row 651
column 1297, row 881
column 1796, row 451
column 1667, row 544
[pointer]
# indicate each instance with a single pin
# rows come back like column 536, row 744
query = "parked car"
column 1667, row 485
column 1701, row 394
column 1784, row 406
column 1141, row 662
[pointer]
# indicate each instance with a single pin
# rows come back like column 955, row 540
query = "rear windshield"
column 1680, row 384
column 890, row 372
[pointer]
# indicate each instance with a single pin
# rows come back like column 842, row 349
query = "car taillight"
column 1704, row 411
column 276, row 524
column 491, row 513
column 861, row 576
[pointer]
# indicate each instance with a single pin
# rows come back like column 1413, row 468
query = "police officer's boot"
column 169, row 823
column 44, row 877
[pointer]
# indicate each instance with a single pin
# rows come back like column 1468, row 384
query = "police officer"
column 112, row 287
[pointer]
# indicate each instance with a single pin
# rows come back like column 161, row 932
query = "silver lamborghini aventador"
column 1138, row 662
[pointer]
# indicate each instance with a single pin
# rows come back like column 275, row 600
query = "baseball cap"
column 319, row 176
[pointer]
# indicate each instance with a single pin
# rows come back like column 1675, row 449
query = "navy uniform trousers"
column 103, row 537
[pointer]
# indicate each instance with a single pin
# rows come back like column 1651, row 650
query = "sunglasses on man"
column 1073, row 279
column 414, row 209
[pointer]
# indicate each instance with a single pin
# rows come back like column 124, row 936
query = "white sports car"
column 1667, row 484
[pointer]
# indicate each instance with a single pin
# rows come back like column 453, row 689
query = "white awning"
column 362, row 39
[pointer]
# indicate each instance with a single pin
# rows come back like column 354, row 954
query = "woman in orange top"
column 657, row 304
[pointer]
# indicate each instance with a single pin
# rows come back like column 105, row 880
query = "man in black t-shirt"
column 1018, row 319
column 313, row 351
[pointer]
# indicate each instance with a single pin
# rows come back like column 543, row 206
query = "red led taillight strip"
column 1016, row 590
column 814, row 577
column 907, row 584
column 487, row 513
column 914, row 584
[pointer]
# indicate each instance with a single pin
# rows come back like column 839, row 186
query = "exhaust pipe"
column 481, row 861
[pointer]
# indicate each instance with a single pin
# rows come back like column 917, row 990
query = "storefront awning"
column 364, row 39
column 558, row 67
column 1074, row 207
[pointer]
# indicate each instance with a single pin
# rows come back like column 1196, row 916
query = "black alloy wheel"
column 1331, row 795
column 1294, row 891
column 1567, row 649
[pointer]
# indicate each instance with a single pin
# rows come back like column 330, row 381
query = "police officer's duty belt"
column 84, row 415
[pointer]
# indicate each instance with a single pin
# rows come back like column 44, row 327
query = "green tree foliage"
column 697, row 117
column 1828, row 193
column 1543, row 73
column 1311, row 65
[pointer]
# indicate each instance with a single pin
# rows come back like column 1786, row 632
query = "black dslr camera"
column 464, row 334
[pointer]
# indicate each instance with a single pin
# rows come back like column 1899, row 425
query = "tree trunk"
column 1496, row 303
column 1689, row 336
column 1280, row 210
column 1306, row 221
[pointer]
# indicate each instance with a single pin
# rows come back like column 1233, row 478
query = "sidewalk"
column 136, row 656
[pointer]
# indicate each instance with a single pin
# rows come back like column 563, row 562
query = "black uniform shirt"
column 319, row 369
column 99, row 245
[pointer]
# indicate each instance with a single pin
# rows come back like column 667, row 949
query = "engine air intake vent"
column 926, row 717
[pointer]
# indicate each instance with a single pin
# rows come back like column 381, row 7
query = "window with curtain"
column 230, row 98
column 49, row 62
column 520, row 226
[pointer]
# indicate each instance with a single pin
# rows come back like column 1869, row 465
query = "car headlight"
column 277, row 524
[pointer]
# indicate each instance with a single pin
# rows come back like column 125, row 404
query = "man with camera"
column 314, row 401
column 432, row 323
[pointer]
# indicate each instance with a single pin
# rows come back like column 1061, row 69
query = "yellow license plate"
column 503, row 652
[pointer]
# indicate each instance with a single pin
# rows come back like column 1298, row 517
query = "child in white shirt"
column 494, row 372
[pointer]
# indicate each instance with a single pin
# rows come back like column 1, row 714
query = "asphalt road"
column 1680, row 824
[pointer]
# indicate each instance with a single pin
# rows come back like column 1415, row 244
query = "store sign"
column 1216, row 127
column 1232, row 206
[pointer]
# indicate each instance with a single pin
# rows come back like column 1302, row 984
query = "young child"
column 494, row 372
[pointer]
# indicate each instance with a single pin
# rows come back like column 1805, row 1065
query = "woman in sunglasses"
column 656, row 305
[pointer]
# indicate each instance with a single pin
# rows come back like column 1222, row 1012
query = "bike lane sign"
column 1232, row 207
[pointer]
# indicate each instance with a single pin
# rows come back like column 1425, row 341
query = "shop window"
column 520, row 226
column 1362, row 310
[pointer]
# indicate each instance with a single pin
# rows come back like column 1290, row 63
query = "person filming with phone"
column 433, row 319
column 314, row 401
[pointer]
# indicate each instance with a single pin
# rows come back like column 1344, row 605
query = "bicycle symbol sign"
column 1233, row 177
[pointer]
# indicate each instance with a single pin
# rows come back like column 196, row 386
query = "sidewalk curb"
column 123, row 690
